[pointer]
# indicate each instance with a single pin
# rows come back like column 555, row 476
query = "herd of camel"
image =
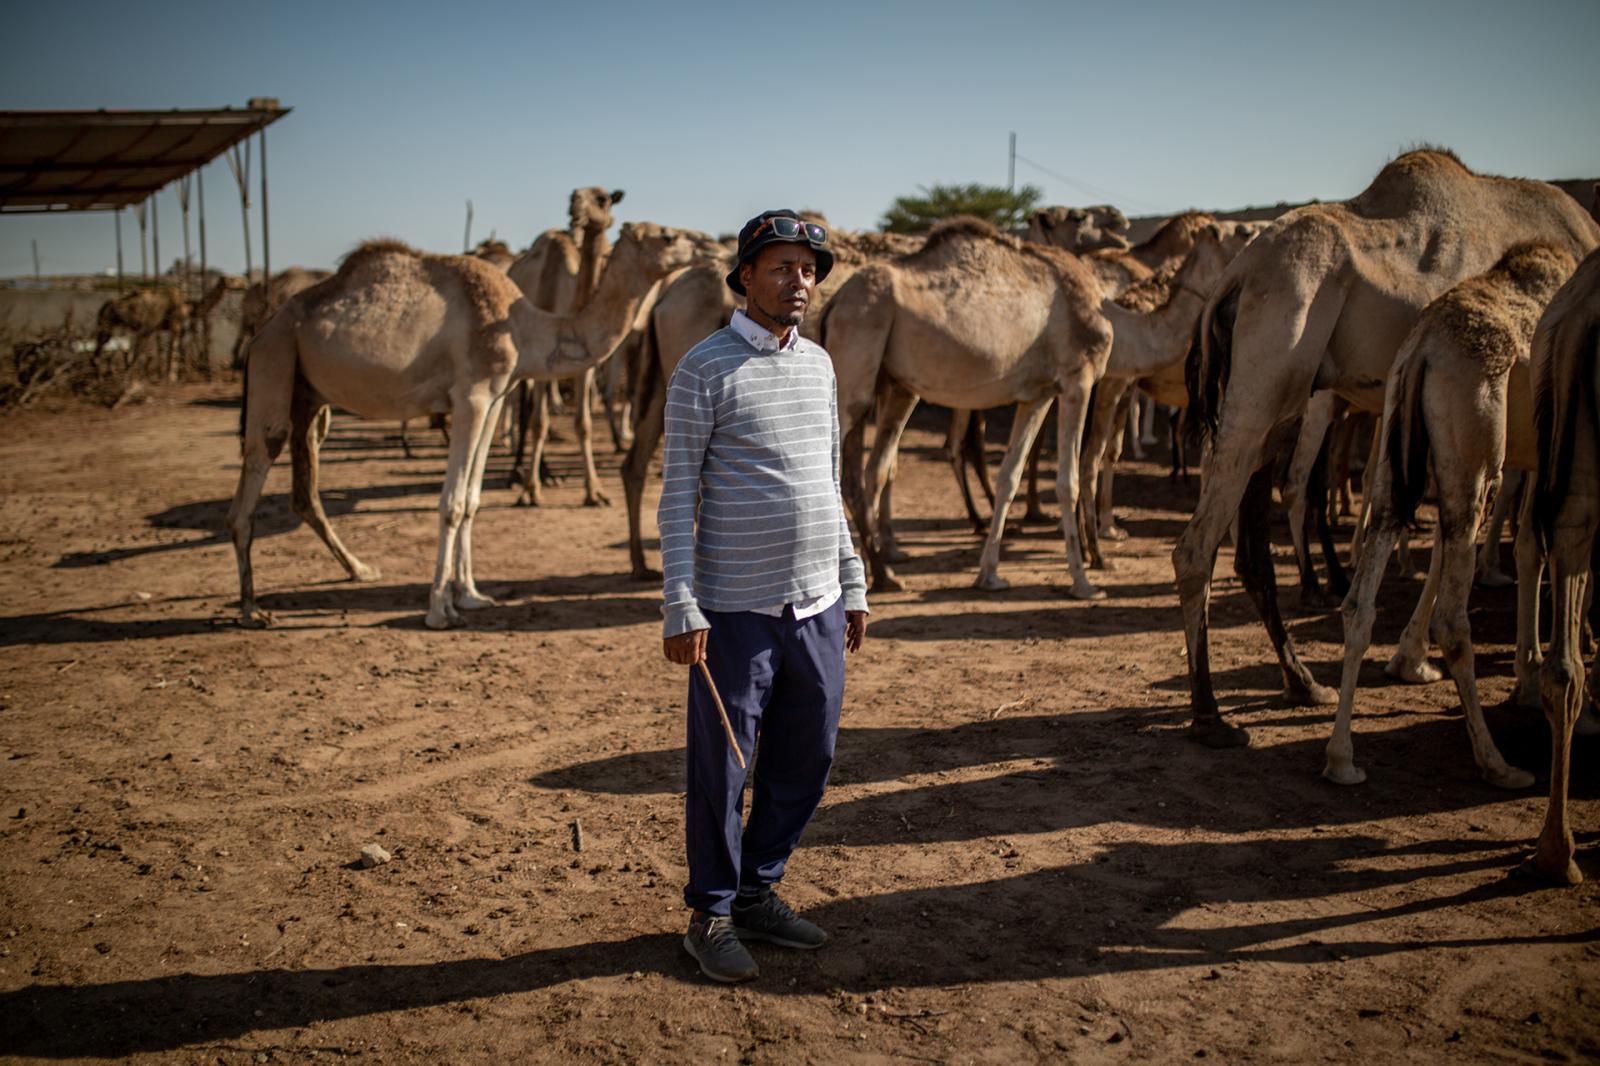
column 1462, row 309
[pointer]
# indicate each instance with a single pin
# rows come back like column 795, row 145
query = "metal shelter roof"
column 103, row 160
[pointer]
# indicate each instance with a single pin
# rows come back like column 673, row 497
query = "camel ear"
column 616, row 196
column 1213, row 230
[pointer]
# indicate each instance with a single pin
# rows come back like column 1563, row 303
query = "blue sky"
column 707, row 113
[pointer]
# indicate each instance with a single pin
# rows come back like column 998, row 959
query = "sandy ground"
column 1021, row 857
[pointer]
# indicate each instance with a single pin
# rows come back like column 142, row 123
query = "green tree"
column 1006, row 209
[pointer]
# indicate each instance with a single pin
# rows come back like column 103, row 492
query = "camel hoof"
column 361, row 572
column 1347, row 773
column 1509, row 777
column 1553, row 873
column 1317, row 600
column 991, row 582
column 1114, row 533
column 599, row 499
column 1313, row 695
column 1415, row 673
column 255, row 620
column 1217, row 734
column 474, row 601
column 644, row 573
column 1087, row 591
column 1495, row 579
column 887, row 583
column 440, row 620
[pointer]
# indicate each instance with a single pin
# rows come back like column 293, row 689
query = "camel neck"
column 551, row 345
column 1146, row 342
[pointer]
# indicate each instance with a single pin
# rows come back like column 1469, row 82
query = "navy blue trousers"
column 781, row 680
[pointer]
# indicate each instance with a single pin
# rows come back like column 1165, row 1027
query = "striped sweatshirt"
column 750, row 511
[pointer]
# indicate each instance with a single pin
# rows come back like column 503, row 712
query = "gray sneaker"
column 715, row 946
column 769, row 918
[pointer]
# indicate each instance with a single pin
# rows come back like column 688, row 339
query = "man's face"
column 780, row 281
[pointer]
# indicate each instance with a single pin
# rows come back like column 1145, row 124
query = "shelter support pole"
column 205, row 323
column 116, row 216
column 266, row 236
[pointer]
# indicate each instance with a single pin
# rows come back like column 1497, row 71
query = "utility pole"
column 1011, row 170
column 36, row 260
column 466, row 240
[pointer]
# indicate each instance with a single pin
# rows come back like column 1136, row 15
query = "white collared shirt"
column 764, row 340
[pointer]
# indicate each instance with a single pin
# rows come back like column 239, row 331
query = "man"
column 762, row 583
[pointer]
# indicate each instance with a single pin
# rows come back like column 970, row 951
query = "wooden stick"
column 727, row 726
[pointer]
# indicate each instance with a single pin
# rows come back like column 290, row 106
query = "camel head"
column 1080, row 229
column 590, row 209
column 1215, row 245
column 659, row 250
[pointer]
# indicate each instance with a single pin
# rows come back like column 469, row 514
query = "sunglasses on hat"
column 791, row 228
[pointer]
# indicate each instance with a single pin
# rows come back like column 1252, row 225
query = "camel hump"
column 1537, row 268
column 378, row 246
column 959, row 226
column 1406, row 181
column 1490, row 318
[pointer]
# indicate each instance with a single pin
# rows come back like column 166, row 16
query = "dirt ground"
column 1021, row 857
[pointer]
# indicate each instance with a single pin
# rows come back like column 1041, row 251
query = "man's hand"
column 855, row 629
column 686, row 649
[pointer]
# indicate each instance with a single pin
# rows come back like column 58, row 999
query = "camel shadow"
column 965, row 934
column 274, row 516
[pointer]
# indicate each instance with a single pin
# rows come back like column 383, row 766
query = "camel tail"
column 1407, row 443
column 1565, row 356
column 1205, row 371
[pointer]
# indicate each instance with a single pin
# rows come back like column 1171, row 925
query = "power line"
column 1093, row 190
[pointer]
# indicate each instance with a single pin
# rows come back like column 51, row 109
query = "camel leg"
column 583, row 422
column 1530, row 575
column 1147, row 422
column 978, row 460
column 1072, row 413
column 1102, row 429
column 1489, row 574
column 470, row 417
column 1107, row 525
column 1226, row 473
column 956, row 451
column 636, row 471
column 614, row 398
column 268, row 400
column 883, row 519
column 1410, row 660
column 1358, row 611
column 538, row 430
column 1130, row 417
column 1338, row 582
column 1454, row 634
column 895, row 405
column 1562, row 685
column 1035, row 513
column 1252, row 561
column 466, row 596
column 520, row 411
column 304, row 446
column 1308, row 451
column 1025, row 423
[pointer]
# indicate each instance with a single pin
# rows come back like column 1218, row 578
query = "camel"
column 1027, row 327
column 143, row 313
column 1565, row 515
column 1152, row 323
column 1093, row 232
column 257, row 307
column 400, row 334
column 691, row 306
column 146, row 312
column 1457, row 403
column 1079, row 229
column 559, row 274
column 1323, row 299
